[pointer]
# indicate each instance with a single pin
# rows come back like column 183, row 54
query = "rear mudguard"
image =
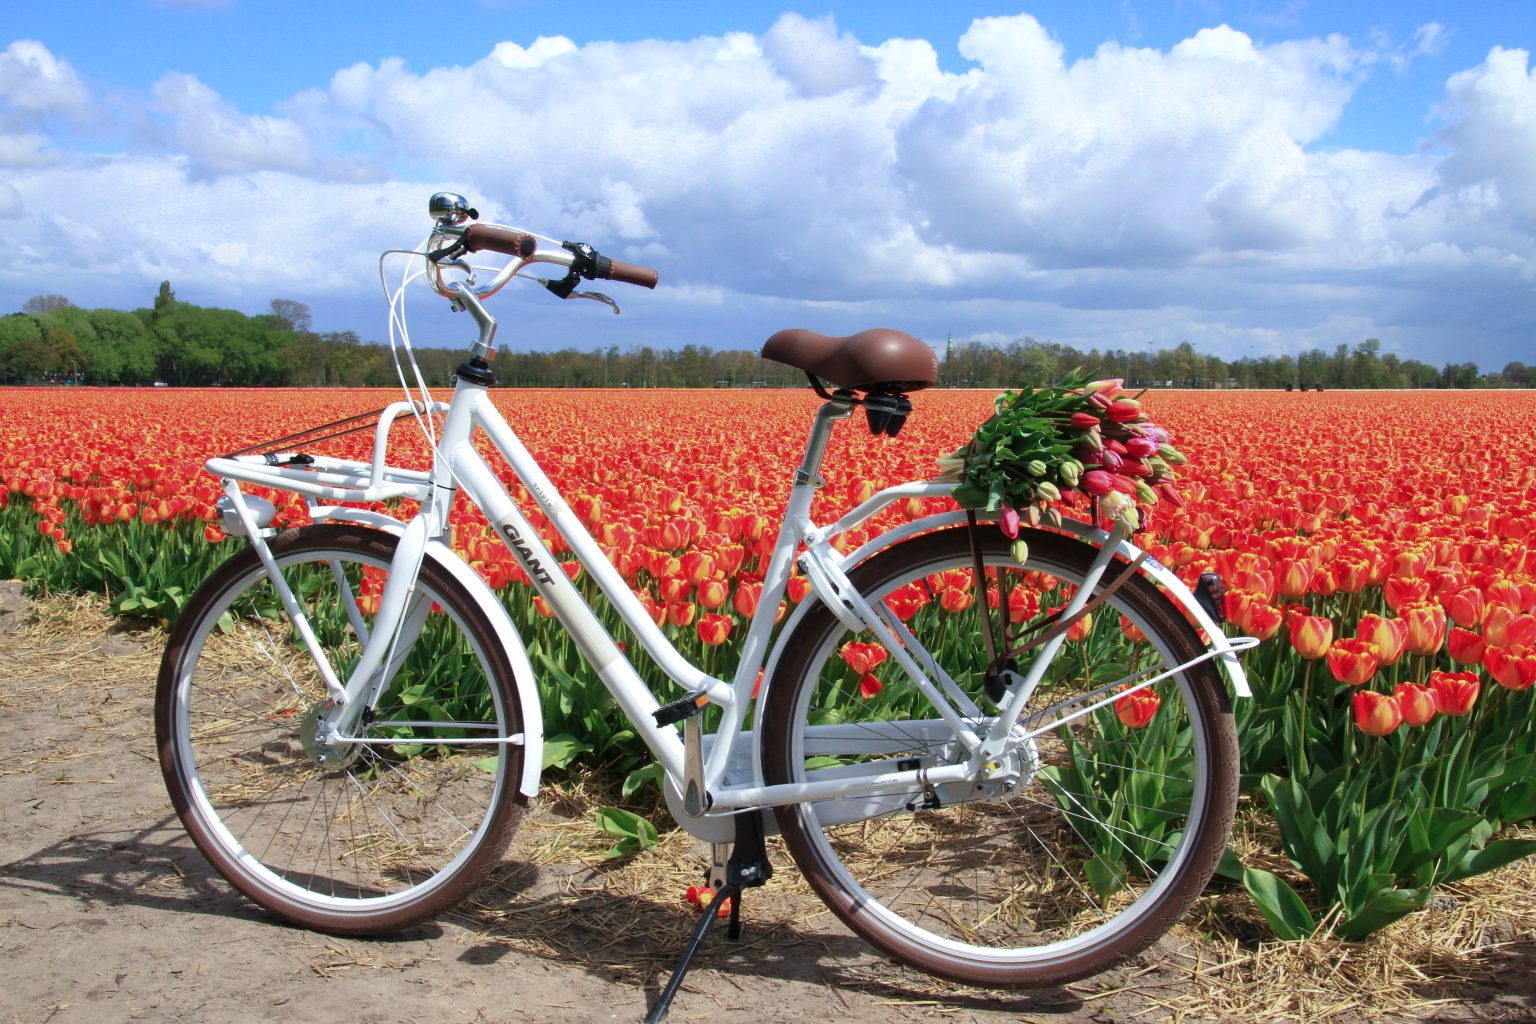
column 485, row 599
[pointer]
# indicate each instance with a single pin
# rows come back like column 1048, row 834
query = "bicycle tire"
column 1003, row 890
column 387, row 834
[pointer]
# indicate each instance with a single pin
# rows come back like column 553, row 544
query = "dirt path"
column 107, row 912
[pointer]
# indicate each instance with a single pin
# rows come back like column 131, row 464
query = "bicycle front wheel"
column 1076, row 849
column 364, row 835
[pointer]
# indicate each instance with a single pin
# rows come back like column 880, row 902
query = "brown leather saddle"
column 877, row 360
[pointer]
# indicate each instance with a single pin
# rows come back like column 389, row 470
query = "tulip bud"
column 1145, row 492
column 1020, row 552
column 1047, row 490
column 1069, row 472
column 1034, row 467
column 1083, row 421
column 1109, row 384
column 1174, row 497
column 1124, row 410
column 1098, row 482
column 1094, row 441
column 1171, row 455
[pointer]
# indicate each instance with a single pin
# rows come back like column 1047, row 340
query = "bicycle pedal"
column 683, row 708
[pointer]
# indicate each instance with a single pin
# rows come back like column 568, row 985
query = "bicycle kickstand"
column 747, row 868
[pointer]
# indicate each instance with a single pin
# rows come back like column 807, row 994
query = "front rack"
column 278, row 462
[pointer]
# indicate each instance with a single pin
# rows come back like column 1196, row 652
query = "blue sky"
column 1256, row 177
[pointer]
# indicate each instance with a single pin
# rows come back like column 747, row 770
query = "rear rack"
column 278, row 462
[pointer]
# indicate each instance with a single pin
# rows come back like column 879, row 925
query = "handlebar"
column 451, row 239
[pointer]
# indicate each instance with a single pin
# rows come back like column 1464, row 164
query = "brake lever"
column 599, row 296
column 565, row 288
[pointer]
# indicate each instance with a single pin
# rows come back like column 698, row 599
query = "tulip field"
column 1379, row 542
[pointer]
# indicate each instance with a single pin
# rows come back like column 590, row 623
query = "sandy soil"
column 108, row 913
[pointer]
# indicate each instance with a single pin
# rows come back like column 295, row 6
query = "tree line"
column 177, row 343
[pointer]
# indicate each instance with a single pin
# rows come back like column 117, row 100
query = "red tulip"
column 869, row 686
column 713, row 629
column 1376, row 714
column 1417, row 702
column 1513, row 668
column 1352, row 662
column 1402, row 590
column 862, row 656
column 1466, row 607
column 1136, row 709
column 1455, row 692
column 1465, row 646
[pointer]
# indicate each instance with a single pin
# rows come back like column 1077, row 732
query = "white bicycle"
column 349, row 725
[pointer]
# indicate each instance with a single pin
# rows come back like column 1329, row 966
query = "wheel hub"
column 315, row 735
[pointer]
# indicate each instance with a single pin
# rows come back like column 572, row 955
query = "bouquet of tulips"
column 1045, row 445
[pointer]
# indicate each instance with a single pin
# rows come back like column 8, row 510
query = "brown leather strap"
column 1056, row 624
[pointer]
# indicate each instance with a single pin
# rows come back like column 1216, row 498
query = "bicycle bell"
column 450, row 208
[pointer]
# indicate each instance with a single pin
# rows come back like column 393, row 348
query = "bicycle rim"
column 349, row 837
column 1114, row 818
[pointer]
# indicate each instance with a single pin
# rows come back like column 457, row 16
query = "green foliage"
column 1374, row 825
column 634, row 832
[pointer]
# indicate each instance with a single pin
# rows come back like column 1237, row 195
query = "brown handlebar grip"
column 633, row 273
column 499, row 239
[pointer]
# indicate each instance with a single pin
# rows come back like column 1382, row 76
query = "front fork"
column 401, row 615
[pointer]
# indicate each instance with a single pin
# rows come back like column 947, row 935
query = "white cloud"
column 1109, row 199
column 217, row 139
column 34, row 84
column 1489, row 172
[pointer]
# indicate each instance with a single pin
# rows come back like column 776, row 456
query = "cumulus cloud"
column 1489, row 170
column 1107, row 199
column 217, row 139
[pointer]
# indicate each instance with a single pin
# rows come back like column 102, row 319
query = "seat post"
column 840, row 407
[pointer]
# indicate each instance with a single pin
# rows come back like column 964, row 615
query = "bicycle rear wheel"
column 351, row 838
column 1085, row 845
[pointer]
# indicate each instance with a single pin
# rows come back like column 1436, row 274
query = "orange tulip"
column 1352, row 662
column 1417, row 702
column 1389, row 636
column 1455, row 692
column 1136, row 709
column 1426, row 627
column 681, row 613
column 955, row 599
column 1293, row 578
column 1504, row 628
column 1311, row 635
column 1376, row 714
column 713, row 629
column 712, row 592
column 747, row 596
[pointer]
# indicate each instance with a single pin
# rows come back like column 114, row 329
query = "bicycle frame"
column 458, row 465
